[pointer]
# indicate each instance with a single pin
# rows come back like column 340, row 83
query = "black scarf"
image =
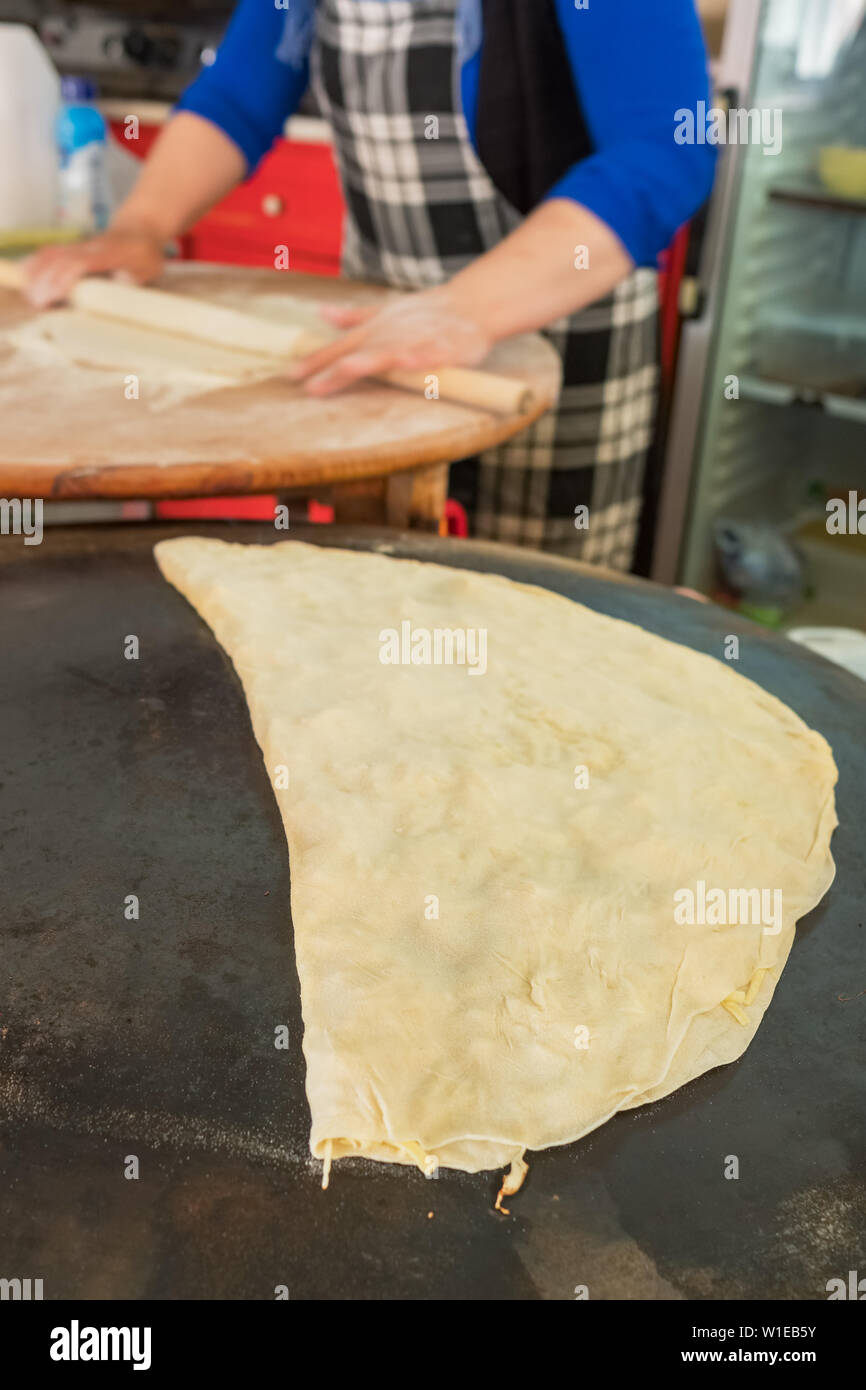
column 530, row 127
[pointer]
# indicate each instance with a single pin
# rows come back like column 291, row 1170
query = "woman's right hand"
column 52, row 272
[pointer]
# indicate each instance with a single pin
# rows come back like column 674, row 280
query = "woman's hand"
column 418, row 332
column 191, row 166
column 529, row 280
column 52, row 272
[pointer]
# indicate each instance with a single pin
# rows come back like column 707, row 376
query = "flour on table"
column 170, row 369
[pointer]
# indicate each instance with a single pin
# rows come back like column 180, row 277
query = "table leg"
column 411, row 500
column 417, row 498
column 359, row 502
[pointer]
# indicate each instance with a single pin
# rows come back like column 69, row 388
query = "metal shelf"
column 815, row 195
column 757, row 388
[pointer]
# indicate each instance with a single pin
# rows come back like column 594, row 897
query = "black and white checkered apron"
column 421, row 207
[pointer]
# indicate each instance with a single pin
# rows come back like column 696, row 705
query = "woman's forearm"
column 558, row 261
column 191, row 166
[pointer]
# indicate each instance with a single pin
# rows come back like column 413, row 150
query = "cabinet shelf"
column 812, row 194
column 785, row 393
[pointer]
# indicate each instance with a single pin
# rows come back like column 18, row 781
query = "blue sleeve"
column 635, row 65
column 260, row 73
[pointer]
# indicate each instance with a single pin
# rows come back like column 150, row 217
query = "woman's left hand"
column 417, row 332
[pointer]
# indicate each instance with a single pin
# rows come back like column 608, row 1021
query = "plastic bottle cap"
column 77, row 89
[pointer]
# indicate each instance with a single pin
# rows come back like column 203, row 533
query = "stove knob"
column 138, row 47
column 53, row 33
column 113, row 47
column 166, row 52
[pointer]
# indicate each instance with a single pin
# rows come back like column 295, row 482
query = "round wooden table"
column 376, row 452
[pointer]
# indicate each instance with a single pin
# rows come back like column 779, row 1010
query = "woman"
column 510, row 163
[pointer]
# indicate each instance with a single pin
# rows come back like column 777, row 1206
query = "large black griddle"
column 154, row 1038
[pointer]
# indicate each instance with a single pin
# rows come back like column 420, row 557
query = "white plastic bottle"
column 82, row 141
column 29, row 101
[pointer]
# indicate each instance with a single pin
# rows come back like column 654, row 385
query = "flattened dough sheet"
column 170, row 368
column 553, row 986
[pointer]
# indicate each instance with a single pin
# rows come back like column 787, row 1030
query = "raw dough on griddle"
column 453, row 1040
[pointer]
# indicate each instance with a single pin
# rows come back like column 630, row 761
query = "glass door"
column 779, row 480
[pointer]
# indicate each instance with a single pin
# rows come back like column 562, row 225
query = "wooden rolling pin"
column 211, row 323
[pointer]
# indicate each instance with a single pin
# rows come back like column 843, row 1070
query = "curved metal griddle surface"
column 156, row 1037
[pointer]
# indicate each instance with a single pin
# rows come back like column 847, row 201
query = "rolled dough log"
column 176, row 314
column 187, row 318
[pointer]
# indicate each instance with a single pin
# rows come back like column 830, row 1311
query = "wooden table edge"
column 57, row 482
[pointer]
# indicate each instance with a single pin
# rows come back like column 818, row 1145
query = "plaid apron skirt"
column 420, row 207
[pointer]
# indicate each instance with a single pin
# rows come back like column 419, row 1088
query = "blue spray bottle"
column 82, row 138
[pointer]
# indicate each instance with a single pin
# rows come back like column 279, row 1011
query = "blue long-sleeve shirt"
column 635, row 64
